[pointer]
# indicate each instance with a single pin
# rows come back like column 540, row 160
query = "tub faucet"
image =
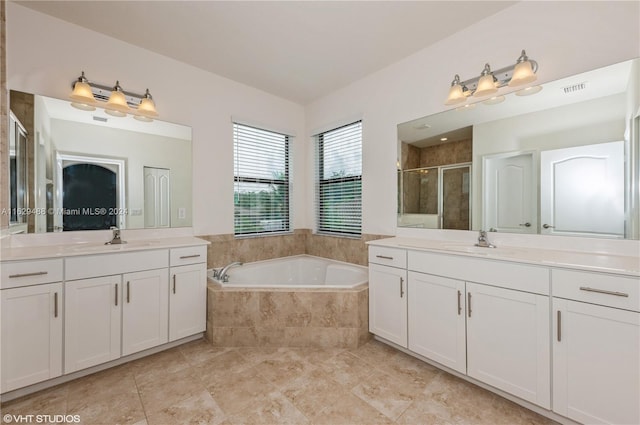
column 116, row 237
column 222, row 273
column 483, row 240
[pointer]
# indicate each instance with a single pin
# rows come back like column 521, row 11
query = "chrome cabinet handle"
column 12, row 276
column 469, row 302
column 128, row 292
column 401, row 290
column 459, row 303
column 527, row 224
column 116, row 294
column 174, row 283
column 189, row 256
column 55, row 304
column 602, row 291
column 548, row 226
column 559, row 330
column 384, row 257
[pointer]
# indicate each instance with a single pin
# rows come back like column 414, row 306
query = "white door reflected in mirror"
column 510, row 195
column 582, row 190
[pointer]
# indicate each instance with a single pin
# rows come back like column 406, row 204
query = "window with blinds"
column 339, row 181
column 261, row 181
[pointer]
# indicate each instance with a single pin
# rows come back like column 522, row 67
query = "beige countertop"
column 608, row 263
column 93, row 248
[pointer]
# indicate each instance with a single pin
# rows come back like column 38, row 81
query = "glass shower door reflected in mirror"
column 455, row 198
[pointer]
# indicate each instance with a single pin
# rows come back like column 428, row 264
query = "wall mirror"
column 563, row 161
column 85, row 170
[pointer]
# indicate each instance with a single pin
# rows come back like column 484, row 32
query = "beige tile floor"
column 200, row 384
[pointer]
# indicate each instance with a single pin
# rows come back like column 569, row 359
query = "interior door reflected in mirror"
column 564, row 161
column 85, row 170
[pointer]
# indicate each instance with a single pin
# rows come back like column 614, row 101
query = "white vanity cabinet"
column 93, row 321
column 188, row 291
column 508, row 343
column 84, row 307
column 118, row 302
column 555, row 336
column 437, row 325
column 465, row 314
column 388, row 294
column 596, row 347
column 31, row 329
column 145, row 310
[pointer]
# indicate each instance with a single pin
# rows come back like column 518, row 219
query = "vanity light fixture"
column 457, row 92
column 116, row 102
column 487, row 84
column 146, row 108
column 82, row 95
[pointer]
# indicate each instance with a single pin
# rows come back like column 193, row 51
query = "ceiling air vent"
column 101, row 119
column 574, row 88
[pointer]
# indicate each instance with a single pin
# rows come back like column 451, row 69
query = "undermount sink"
column 95, row 248
column 115, row 247
column 472, row 249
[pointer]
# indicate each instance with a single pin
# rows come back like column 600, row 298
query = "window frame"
column 322, row 184
column 285, row 182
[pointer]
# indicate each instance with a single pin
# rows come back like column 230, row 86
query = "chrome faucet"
column 116, row 237
column 222, row 273
column 483, row 240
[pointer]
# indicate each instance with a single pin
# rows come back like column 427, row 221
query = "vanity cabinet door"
column 388, row 303
column 596, row 363
column 145, row 310
column 508, row 341
column 31, row 335
column 187, row 300
column 92, row 322
column 437, row 319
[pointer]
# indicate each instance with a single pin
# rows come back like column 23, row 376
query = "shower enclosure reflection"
column 434, row 181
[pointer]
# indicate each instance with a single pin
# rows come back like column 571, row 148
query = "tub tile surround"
column 198, row 383
column 287, row 318
column 225, row 249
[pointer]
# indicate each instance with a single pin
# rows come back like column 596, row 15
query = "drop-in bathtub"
column 299, row 271
column 298, row 301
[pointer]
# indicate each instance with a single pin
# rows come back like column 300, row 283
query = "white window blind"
column 339, row 180
column 261, row 181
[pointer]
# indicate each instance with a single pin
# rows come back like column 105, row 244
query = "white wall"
column 45, row 55
column 565, row 38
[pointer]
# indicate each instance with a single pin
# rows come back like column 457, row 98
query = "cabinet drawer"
column 188, row 255
column 84, row 267
column 393, row 257
column 24, row 273
column 597, row 288
column 505, row 274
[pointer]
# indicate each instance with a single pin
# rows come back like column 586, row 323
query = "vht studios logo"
column 41, row 419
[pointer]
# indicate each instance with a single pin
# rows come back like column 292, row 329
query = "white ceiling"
column 298, row 50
